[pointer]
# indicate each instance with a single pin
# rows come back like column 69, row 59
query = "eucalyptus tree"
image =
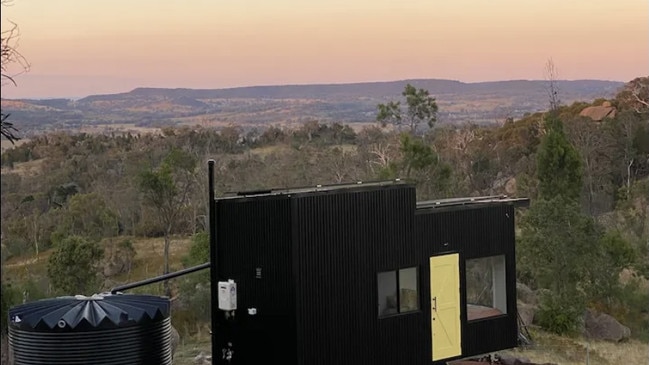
column 167, row 189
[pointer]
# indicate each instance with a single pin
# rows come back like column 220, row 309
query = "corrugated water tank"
column 101, row 329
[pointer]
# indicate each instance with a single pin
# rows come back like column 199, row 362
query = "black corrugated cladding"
column 342, row 240
column 318, row 254
column 478, row 230
column 254, row 249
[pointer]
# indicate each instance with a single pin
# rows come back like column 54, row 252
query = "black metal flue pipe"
column 160, row 278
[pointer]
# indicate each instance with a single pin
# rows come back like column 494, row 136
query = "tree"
column 421, row 108
column 73, row 266
column 167, row 190
column 596, row 147
column 87, row 215
column 559, row 169
column 417, row 155
column 9, row 56
column 635, row 95
column 561, row 249
column 551, row 76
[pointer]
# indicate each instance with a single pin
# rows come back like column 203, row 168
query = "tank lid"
column 97, row 311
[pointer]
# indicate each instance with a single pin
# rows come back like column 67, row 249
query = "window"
column 485, row 287
column 398, row 291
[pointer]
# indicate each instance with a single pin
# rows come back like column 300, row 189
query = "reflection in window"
column 485, row 287
column 397, row 291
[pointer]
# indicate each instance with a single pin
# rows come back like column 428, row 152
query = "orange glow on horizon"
column 77, row 48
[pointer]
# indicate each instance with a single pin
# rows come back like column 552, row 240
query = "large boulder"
column 599, row 113
column 601, row 326
column 175, row 340
column 525, row 294
column 510, row 186
column 527, row 312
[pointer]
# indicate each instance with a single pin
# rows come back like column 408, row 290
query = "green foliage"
column 73, row 267
column 558, row 245
column 560, row 313
column 87, row 215
column 417, row 155
column 575, row 260
column 630, row 307
column 167, row 188
column 559, row 167
column 195, row 295
column 199, row 252
column 389, row 113
column 619, row 252
column 421, row 108
column 9, row 297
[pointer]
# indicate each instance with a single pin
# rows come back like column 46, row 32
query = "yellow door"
column 445, row 306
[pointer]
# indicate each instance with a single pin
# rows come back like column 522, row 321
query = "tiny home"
column 362, row 274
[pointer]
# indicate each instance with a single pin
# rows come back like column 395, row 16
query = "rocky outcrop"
column 527, row 312
column 496, row 359
column 601, row 326
column 119, row 258
column 598, row 113
column 175, row 340
column 527, row 303
column 525, row 294
column 203, row 359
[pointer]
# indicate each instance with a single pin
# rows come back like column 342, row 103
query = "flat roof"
column 489, row 199
column 428, row 204
column 313, row 189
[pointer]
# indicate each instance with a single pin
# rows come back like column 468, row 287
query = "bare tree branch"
column 9, row 56
column 551, row 76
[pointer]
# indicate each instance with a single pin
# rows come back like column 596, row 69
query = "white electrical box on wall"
column 227, row 295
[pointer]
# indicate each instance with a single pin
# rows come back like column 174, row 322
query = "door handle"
column 434, row 304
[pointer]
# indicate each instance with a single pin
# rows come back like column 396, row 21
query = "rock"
column 499, row 183
column 202, row 359
column 598, row 113
column 527, row 312
column 510, row 186
column 511, row 360
column 175, row 340
column 112, row 269
column 525, row 294
column 601, row 326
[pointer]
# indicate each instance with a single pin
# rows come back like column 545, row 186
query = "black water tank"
column 102, row 329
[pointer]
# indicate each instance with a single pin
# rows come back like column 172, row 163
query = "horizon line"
column 306, row 84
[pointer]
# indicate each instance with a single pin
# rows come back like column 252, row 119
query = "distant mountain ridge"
column 482, row 102
column 365, row 89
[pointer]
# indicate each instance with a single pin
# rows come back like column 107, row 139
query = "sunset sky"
column 77, row 48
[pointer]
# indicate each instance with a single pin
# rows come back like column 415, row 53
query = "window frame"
column 499, row 288
column 398, row 294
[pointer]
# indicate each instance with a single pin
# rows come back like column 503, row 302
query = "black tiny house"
column 362, row 274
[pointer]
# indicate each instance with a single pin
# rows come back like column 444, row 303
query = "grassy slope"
column 550, row 348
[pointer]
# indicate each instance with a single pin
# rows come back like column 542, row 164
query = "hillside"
column 484, row 102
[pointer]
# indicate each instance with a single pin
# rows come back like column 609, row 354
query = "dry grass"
column 29, row 168
column 188, row 349
column 148, row 262
column 550, row 348
column 149, row 259
column 631, row 352
column 6, row 144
